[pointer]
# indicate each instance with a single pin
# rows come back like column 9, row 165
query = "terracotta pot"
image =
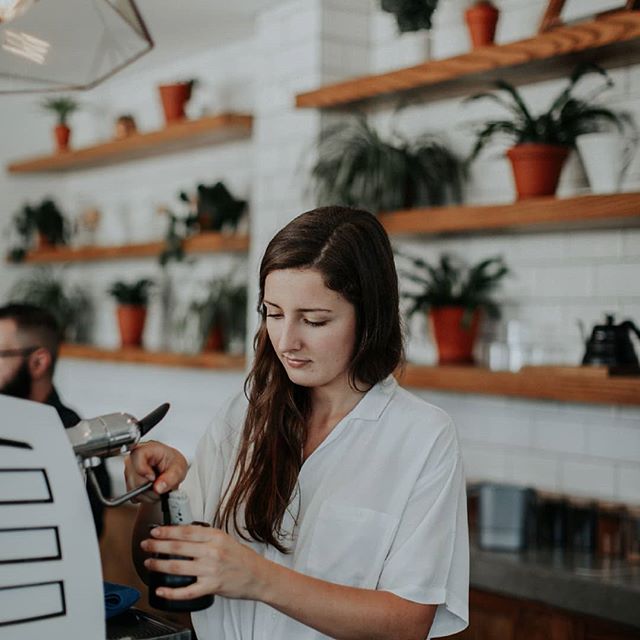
column 174, row 98
column 131, row 318
column 62, row 135
column 215, row 339
column 537, row 168
column 482, row 19
column 42, row 242
column 454, row 341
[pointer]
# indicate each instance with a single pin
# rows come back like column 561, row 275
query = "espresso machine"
column 116, row 434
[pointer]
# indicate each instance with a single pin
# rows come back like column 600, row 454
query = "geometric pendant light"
column 62, row 45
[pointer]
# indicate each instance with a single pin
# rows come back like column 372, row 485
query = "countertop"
column 602, row 587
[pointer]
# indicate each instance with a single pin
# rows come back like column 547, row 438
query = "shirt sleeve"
column 429, row 558
column 205, row 478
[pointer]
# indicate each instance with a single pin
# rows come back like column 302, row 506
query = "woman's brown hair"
column 351, row 250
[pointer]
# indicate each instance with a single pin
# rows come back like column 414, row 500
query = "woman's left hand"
column 221, row 564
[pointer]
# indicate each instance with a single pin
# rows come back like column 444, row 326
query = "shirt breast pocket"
column 349, row 544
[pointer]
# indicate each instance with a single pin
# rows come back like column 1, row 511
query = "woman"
column 337, row 498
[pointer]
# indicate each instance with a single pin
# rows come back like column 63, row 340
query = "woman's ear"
column 40, row 364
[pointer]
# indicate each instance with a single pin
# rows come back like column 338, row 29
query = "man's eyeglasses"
column 11, row 353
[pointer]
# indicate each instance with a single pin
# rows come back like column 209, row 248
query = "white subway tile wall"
column 558, row 278
column 592, row 477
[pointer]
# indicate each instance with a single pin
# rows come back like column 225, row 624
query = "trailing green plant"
column 62, row 106
column 136, row 293
column 451, row 282
column 566, row 118
column 355, row 166
column 71, row 305
column 411, row 15
column 179, row 229
column 44, row 218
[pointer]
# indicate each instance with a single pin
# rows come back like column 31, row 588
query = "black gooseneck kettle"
column 610, row 344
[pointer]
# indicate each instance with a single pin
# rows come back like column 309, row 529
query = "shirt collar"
column 375, row 400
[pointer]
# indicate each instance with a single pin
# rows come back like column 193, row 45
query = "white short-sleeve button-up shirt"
column 380, row 504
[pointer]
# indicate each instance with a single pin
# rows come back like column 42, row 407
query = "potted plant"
column 70, row 304
column 355, row 166
column 45, row 222
column 63, row 107
column 219, row 317
column 411, row 15
column 234, row 303
column 132, row 302
column 174, row 97
column 454, row 295
column 482, row 18
column 215, row 207
column 543, row 142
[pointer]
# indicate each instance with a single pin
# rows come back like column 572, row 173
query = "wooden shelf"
column 620, row 210
column 208, row 242
column 210, row 360
column 187, row 134
column 537, row 214
column 566, row 384
column 614, row 40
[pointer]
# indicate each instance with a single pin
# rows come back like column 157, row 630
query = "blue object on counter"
column 118, row 598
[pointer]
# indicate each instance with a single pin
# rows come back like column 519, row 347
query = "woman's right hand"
column 155, row 461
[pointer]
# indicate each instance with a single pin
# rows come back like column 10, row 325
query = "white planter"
column 605, row 157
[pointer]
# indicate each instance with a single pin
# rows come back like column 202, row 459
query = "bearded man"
column 29, row 344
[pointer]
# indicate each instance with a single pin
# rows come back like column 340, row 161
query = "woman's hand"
column 155, row 461
column 221, row 564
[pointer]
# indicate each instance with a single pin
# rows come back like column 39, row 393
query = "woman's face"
column 312, row 328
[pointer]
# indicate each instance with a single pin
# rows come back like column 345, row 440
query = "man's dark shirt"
column 69, row 419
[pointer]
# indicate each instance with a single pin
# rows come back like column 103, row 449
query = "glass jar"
column 631, row 529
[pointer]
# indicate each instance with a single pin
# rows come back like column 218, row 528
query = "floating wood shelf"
column 566, row 384
column 210, row 360
column 537, row 214
column 208, row 242
column 187, row 134
column 614, row 40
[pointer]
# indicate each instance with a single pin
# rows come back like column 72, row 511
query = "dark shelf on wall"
column 187, row 134
column 591, row 385
column 613, row 211
column 206, row 242
column 207, row 360
column 612, row 40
